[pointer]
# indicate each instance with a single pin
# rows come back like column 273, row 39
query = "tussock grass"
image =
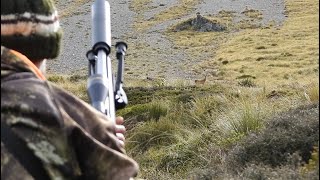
column 152, row 134
column 201, row 111
column 245, row 120
column 186, row 153
column 176, row 139
column 312, row 92
column 153, row 110
column 204, row 128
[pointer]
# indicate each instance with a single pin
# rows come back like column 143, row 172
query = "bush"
column 247, row 83
column 293, row 131
column 264, row 172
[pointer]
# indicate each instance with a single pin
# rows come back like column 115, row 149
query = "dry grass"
column 71, row 8
column 73, row 83
column 177, row 11
column 273, row 54
column 140, row 6
column 183, row 8
column 276, row 55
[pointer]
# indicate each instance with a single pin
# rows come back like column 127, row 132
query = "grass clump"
column 313, row 164
column 252, row 13
column 144, row 112
column 186, row 153
column 151, row 134
column 157, row 109
column 142, row 95
column 200, row 112
column 312, row 92
column 56, row 78
column 247, row 82
column 247, row 120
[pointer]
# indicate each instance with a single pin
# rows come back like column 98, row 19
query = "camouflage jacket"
column 69, row 137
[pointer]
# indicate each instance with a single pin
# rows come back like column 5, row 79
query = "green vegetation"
column 208, row 131
column 259, row 121
column 74, row 83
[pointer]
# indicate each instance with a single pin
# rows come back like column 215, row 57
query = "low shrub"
column 294, row 131
column 248, row 82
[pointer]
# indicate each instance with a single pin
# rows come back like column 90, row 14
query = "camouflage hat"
column 31, row 27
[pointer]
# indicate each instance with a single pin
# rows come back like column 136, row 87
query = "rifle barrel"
column 101, row 41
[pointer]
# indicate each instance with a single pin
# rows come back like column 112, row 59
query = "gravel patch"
column 272, row 10
column 77, row 35
column 175, row 63
column 156, row 6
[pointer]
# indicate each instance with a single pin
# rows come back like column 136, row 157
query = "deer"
column 157, row 81
column 201, row 81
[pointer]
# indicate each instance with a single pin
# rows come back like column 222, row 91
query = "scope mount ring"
column 101, row 46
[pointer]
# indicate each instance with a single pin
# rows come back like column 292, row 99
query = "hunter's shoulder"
column 5, row 53
column 8, row 163
column 22, row 87
column 28, row 98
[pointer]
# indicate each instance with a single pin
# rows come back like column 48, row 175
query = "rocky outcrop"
column 200, row 24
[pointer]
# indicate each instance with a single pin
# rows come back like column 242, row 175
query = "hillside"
column 255, row 116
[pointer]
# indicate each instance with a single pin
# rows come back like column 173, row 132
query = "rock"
column 200, row 24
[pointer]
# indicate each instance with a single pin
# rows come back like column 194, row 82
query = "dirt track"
column 165, row 58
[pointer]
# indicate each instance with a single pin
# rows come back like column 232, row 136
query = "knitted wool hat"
column 31, row 27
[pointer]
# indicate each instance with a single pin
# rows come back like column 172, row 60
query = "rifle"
column 105, row 95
